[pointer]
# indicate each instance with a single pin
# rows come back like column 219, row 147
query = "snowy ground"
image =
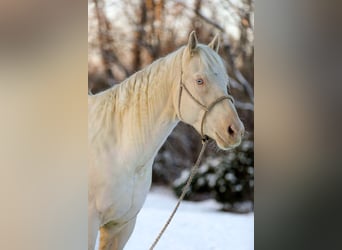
column 196, row 226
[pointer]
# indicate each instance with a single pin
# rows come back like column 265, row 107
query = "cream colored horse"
column 130, row 122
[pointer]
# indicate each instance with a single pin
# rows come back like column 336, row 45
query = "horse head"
column 203, row 100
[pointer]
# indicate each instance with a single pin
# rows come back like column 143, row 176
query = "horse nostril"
column 231, row 131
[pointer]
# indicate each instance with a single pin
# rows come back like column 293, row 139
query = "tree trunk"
column 104, row 39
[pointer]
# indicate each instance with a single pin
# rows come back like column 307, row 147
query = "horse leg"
column 93, row 227
column 111, row 239
column 125, row 233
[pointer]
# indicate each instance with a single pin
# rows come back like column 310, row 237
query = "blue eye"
column 199, row 81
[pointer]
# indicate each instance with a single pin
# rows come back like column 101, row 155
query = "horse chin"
column 225, row 144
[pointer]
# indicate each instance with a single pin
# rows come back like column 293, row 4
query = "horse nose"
column 236, row 130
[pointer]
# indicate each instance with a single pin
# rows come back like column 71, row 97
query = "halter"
column 206, row 109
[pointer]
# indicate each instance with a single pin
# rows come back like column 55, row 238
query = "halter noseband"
column 206, row 109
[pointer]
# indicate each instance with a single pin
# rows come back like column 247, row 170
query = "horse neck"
column 151, row 116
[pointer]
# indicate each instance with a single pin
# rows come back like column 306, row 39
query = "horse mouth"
column 225, row 144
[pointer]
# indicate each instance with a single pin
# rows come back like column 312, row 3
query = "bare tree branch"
column 237, row 72
column 207, row 20
column 106, row 42
column 245, row 84
column 244, row 105
column 235, row 84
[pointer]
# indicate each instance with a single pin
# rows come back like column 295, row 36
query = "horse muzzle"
column 232, row 136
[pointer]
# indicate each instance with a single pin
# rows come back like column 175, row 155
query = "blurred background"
column 126, row 35
column 43, row 105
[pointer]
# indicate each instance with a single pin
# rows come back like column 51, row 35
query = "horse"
column 128, row 124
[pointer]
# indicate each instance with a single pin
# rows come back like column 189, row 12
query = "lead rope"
column 205, row 140
column 184, row 191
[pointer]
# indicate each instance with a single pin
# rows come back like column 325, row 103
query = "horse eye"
column 199, row 81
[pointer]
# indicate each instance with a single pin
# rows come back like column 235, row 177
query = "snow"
column 196, row 226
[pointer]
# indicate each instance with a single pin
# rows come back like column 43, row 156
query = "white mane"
column 136, row 97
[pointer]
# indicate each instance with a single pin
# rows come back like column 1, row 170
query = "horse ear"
column 215, row 43
column 192, row 43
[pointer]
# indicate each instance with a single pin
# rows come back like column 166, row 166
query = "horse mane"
column 139, row 94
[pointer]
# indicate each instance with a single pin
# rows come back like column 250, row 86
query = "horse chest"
column 124, row 192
